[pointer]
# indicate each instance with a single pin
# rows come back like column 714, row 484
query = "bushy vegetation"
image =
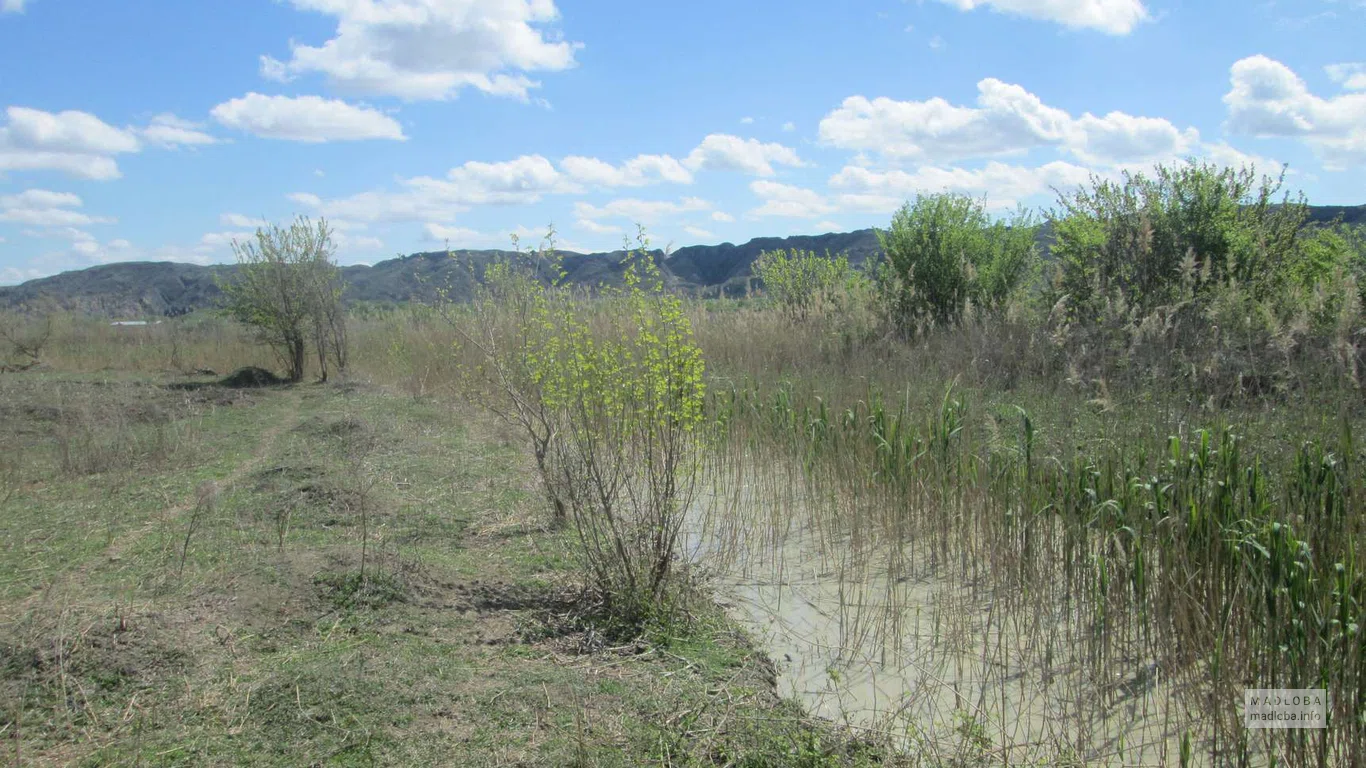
column 943, row 252
column 802, row 283
column 610, row 395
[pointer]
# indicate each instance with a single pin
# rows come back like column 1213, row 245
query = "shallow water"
column 942, row 665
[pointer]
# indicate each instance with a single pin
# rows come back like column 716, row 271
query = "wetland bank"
column 972, row 503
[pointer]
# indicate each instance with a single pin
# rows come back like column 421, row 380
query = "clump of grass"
column 355, row 591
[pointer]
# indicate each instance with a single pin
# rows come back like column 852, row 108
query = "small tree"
column 25, row 337
column 800, row 282
column 943, row 251
column 288, row 288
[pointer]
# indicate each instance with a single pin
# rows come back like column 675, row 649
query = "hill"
column 162, row 288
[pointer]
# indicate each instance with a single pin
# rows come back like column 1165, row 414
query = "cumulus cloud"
column 785, row 200
column 167, row 130
column 638, row 211
column 1114, row 17
column 1267, row 99
column 1003, row 185
column 1351, row 76
column 597, row 228
column 699, row 233
column 525, row 180
column 310, row 119
column 11, row 6
column 84, row 249
column 721, row 151
column 458, row 237
column 72, row 142
column 722, row 217
column 15, row 275
column 241, row 222
column 1007, row 120
column 44, row 208
column 430, row 49
column 639, row 171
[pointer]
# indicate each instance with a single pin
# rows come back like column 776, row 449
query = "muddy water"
column 943, row 666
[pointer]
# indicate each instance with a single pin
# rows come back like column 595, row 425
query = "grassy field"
column 327, row 575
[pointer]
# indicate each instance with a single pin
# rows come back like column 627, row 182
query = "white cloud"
column 1351, row 76
column 596, row 228
column 242, row 222
column 305, row 118
column 1267, row 99
column 747, row 120
column 86, row 249
column 1007, row 120
column 937, row 43
column 169, row 131
column 12, row 6
column 699, row 233
column 785, row 200
column 525, row 180
column 43, row 208
column 829, row 226
column 721, row 151
column 789, row 127
column 215, row 240
column 430, row 49
column 639, row 171
column 16, row 275
column 76, row 143
column 40, row 198
column 1003, row 185
column 350, row 244
column 1114, row 17
column 722, row 216
column 638, row 211
column 459, row 238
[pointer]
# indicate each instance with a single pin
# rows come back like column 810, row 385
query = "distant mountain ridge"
column 136, row 289
column 131, row 289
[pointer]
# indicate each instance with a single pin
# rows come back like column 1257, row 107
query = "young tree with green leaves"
column 288, row 288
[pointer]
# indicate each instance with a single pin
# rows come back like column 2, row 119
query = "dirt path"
column 207, row 493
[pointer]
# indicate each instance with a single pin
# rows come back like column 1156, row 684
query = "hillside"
column 147, row 288
column 159, row 288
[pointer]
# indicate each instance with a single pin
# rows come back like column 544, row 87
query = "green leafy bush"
column 610, row 390
column 1132, row 237
column 802, row 282
column 943, row 251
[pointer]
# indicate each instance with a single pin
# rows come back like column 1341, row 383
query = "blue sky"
column 163, row 129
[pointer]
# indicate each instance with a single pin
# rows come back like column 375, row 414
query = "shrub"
column 943, row 251
column 801, row 282
column 610, row 393
column 623, row 379
column 1132, row 237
